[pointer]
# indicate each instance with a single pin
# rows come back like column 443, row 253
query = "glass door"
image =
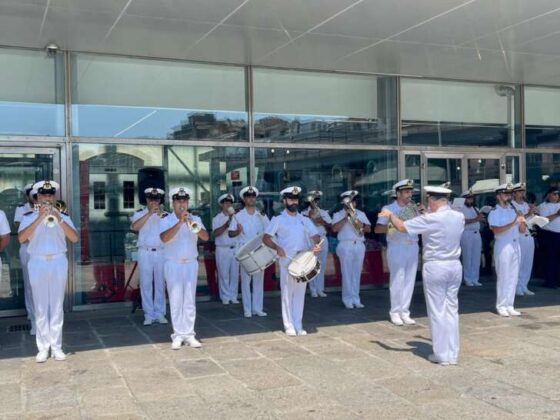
column 440, row 169
column 18, row 167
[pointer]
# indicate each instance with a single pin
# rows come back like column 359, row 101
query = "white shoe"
column 513, row 312
column 162, row 320
column 148, row 321
column 291, row 333
column 468, row 284
column 434, row 359
column 314, row 295
column 502, row 312
column 225, row 302
column 322, row 294
column 234, row 301
column 247, row 315
column 177, row 343
column 396, row 319
column 408, row 320
column 519, row 293
column 193, row 342
column 58, row 355
column 301, row 332
column 359, row 306
column 529, row 293
column 477, row 284
column 260, row 313
column 349, row 306
column 42, row 356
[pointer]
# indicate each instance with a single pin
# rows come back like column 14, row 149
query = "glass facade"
column 326, row 131
column 31, row 93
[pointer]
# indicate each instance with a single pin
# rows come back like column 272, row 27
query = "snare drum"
column 255, row 256
column 304, row 267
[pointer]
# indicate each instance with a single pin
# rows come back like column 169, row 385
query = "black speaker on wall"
column 150, row 177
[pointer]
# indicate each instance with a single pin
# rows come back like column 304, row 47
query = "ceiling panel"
column 199, row 10
column 14, row 16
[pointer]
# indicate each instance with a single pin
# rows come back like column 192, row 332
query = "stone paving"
column 353, row 364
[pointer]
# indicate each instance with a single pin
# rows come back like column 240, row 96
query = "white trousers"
column 181, row 279
column 471, row 248
column 318, row 283
column 403, row 263
column 24, row 259
column 252, row 299
column 442, row 280
column 152, row 285
column 293, row 299
column 351, row 255
column 48, row 282
column 527, row 249
column 506, row 261
column 228, row 272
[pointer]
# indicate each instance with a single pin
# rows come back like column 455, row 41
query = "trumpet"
column 51, row 220
column 352, row 215
column 193, row 226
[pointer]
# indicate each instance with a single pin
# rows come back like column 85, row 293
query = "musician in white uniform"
column 248, row 224
column 178, row 233
column 226, row 247
column 402, row 255
column 150, row 256
column 24, row 256
column 47, row 231
column 526, row 241
column 322, row 221
column 441, row 229
column 506, row 225
column 351, row 249
column 471, row 242
column 549, row 238
column 290, row 233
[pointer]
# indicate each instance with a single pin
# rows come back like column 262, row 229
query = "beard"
column 292, row 208
column 468, row 204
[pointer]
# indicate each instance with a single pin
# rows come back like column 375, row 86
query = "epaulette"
column 64, row 213
column 21, row 205
column 140, row 209
column 28, row 213
column 164, row 215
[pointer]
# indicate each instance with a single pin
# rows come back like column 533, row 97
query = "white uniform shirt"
column 148, row 236
column 253, row 225
column 184, row 244
column 501, row 216
column 20, row 211
column 292, row 233
column 396, row 236
column 347, row 232
column 223, row 240
column 548, row 209
column 523, row 207
column 441, row 233
column 4, row 225
column 45, row 240
column 470, row 213
column 325, row 216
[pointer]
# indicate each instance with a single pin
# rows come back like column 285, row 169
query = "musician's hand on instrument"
column 385, row 213
column 280, row 251
column 43, row 211
column 239, row 228
column 480, row 217
column 421, row 208
column 316, row 248
column 520, row 219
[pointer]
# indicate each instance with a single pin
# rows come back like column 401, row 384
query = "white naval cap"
column 404, row 184
column 468, row 193
column 180, row 192
column 224, row 197
column 46, row 187
column 154, row 192
column 504, row 188
column 316, row 193
column 290, row 192
column 248, row 189
column 436, row 191
column 349, row 193
column 28, row 188
column 33, row 192
column 520, row 186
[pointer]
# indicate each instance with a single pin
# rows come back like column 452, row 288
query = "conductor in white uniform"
column 293, row 233
column 441, row 229
column 47, row 231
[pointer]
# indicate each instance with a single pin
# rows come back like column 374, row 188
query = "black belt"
column 226, row 246
column 153, row 249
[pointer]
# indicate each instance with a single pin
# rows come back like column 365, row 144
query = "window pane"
column 120, row 97
column 543, row 171
column 307, row 107
column 107, row 252
column 31, row 93
column 542, row 117
column 443, row 113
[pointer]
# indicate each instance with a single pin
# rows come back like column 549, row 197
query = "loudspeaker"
column 150, row 177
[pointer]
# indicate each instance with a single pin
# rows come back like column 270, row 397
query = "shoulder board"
column 64, row 213
column 164, row 215
column 139, row 210
column 28, row 213
column 21, row 205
